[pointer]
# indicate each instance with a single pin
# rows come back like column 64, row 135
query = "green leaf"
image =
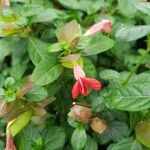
column 135, row 117
column 134, row 96
column 97, row 104
column 91, row 144
column 73, row 122
column 2, row 80
column 28, row 10
column 37, row 94
column 88, row 66
column 37, row 50
column 56, row 47
column 47, row 15
column 79, row 138
column 2, row 145
column 98, row 45
column 45, row 73
column 142, row 131
column 128, row 143
column 127, row 7
column 131, row 97
column 6, row 47
column 54, row 138
column 20, row 122
column 109, row 74
column 26, row 139
column 90, row 6
column 18, row 70
column 118, row 130
column 132, row 33
column 144, row 7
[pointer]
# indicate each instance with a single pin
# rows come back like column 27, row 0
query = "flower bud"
column 104, row 25
column 80, row 113
column 10, row 143
column 98, row 125
column 107, row 26
column 6, row 2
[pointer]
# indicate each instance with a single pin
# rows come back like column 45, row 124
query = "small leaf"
column 56, row 47
column 98, row 104
column 68, row 61
column 37, row 94
column 87, row 67
column 79, row 138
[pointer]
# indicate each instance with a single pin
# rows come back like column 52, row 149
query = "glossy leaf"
column 98, row 45
column 128, row 143
column 91, row 144
column 79, row 138
column 37, row 94
column 144, row 7
column 132, row 33
column 37, row 50
column 46, row 73
column 54, row 138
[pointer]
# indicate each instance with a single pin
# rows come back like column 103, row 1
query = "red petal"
column 76, row 90
column 92, row 83
column 83, row 89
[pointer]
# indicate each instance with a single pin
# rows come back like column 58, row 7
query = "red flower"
column 82, row 83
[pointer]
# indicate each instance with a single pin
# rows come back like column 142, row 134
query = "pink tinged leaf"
column 10, row 143
column 78, row 72
column 5, row 2
column 69, row 32
column 76, row 90
column 92, row 83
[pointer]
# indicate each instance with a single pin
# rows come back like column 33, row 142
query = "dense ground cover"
column 74, row 74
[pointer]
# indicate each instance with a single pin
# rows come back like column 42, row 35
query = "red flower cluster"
column 82, row 83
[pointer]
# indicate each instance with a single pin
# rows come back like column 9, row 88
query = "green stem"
column 133, row 71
